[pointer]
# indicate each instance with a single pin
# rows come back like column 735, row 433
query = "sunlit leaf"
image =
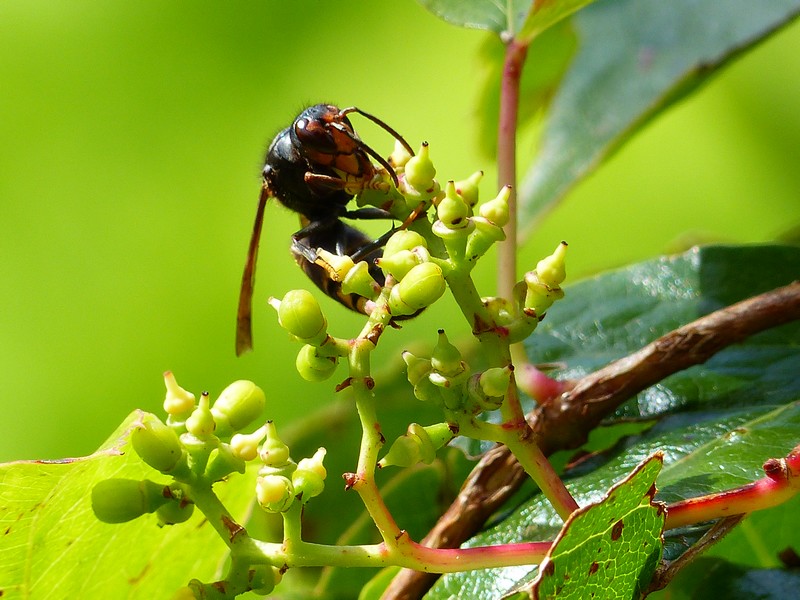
column 609, row 549
column 636, row 58
column 54, row 547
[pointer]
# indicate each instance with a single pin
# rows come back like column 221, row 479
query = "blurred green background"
column 131, row 141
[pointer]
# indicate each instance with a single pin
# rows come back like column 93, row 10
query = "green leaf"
column 636, row 58
column 520, row 19
column 547, row 13
column 610, row 548
column 503, row 17
column 718, row 422
column 54, row 547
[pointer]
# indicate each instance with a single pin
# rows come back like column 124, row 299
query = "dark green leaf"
column 636, row 58
column 610, row 548
column 718, row 422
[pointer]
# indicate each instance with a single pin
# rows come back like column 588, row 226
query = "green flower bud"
column 245, row 445
column 481, row 239
column 201, row 422
column 157, row 444
column 178, row 401
column 452, row 210
column 404, row 452
column 551, row 270
column 122, row 500
column 422, row 286
column 480, row 400
column 405, row 239
column 426, row 391
column 315, row 463
column 300, row 314
column 273, row 453
column 495, row 381
column 417, row 445
column 223, row 462
column 239, row 404
column 441, row 434
column 446, row 358
column 417, row 368
column 174, row 512
column 310, row 476
column 275, row 493
column 496, row 210
column 400, row 263
column 419, row 170
column 359, row 281
column 312, row 366
column 468, row 190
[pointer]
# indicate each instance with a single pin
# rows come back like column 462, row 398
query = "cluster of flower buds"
column 281, row 481
column 519, row 316
column 440, row 378
column 419, row 279
column 195, row 444
column 418, row 445
column 417, row 176
column 444, row 379
column 200, row 444
column 301, row 315
column 468, row 236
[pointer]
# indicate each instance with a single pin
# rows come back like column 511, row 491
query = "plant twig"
column 516, row 53
column 565, row 422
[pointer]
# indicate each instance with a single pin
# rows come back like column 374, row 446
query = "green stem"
column 521, row 443
column 406, row 553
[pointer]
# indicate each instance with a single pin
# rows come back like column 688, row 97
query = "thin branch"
column 516, row 53
column 565, row 422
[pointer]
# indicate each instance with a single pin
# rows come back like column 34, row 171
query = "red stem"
column 781, row 483
column 507, row 161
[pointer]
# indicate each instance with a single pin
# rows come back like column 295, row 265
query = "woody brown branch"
column 565, row 422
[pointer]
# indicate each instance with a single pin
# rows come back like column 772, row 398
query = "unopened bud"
column 468, row 189
column 275, row 493
column 423, row 285
column 300, row 314
column 157, row 444
column 273, row 453
column 178, row 401
column 309, row 478
column 312, row 366
column 551, row 270
column 420, row 171
column 496, row 210
column 446, row 358
column 201, row 422
column 122, row 500
column 405, row 239
column 245, row 445
column 239, row 404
